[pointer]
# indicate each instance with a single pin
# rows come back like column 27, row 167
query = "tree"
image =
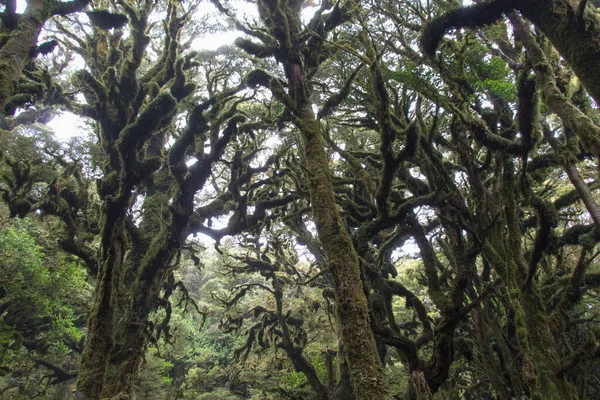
column 18, row 44
column 300, row 54
column 135, row 116
column 286, row 320
column 571, row 32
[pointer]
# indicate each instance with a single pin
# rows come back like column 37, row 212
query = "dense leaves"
column 43, row 300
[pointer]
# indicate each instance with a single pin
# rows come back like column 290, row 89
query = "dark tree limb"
column 473, row 16
column 58, row 374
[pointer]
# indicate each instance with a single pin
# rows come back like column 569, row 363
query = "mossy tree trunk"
column 352, row 306
column 100, row 338
column 540, row 354
column 574, row 32
column 299, row 60
column 18, row 38
column 137, row 259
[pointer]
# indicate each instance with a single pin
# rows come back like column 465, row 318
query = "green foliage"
column 219, row 394
column 490, row 74
column 500, row 87
column 293, row 380
column 167, row 381
column 41, row 296
column 31, row 289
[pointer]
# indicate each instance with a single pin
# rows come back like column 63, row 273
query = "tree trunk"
column 419, row 390
column 95, row 356
column 17, row 42
column 576, row 37
column 352, row 306
column 16, row 52
column 126, row 355
column 284, row 20
column 101, row 323
column 546, row 359
column 541, row 358
column 343, row 390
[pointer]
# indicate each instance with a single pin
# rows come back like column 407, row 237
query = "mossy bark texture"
column 575, row 36
column 538, row 346
column 101, row 322
column 16, row 52
column 21, row 40
column 352, row 306
column 283, row 20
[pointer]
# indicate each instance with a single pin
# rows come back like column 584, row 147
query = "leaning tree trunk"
column 351, row 301
column 352, row 306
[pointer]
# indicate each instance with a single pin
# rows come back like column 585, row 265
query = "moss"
column 588, row 240
column 543, row 350
column 85, row 79
column 254, row 49
column 4, row 37
column 463, row 17
column 528, row 111
column 16, row 101
column 157, row 112
column 109, row 184
column 575, row 40
column 181, row 88
column 356, row 334
column 258, row 77
column 45, row 48
column 105, row 19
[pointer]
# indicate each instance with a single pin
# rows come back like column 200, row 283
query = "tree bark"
column 22, row 40
column 16, row 52
column 125, row 357
column 283, row 18
column 576, row 37
column 419, row 390
column 539, row 348
column 352, row 306
column 95, row 358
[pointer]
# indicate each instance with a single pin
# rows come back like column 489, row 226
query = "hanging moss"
column 258, row 77
column 180, row 88
column 45, row 48
column 528, row 111
column 157, row 112
column 105, row 19
column 255, row 49
column 478, row 15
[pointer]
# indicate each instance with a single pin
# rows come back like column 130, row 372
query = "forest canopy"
column 377, row 199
